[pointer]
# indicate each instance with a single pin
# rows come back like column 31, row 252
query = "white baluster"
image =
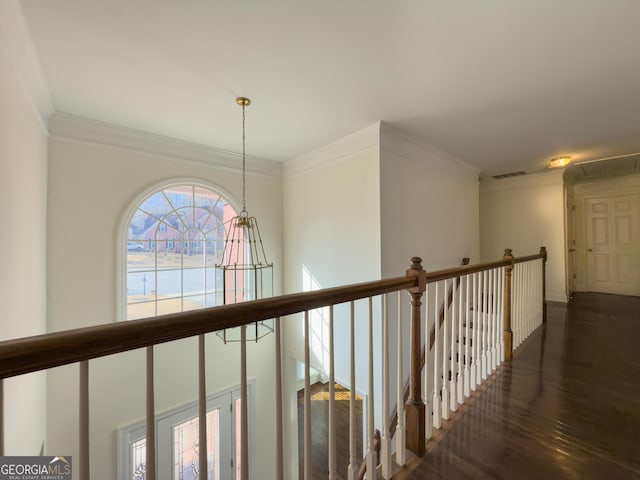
column 529, row 298
column 500, row 315
column 445, row 351
column 483, row 370
column 533, row 296
column 525, row 303
column 401, row 456
column 519, row 295
column 514, row 305
column 385, row 442
column 202, row 405
column 494, row 320
column 522, row 304
column 460, row 340
column 516, row 310
column 490, row 320
column 85, row 465
column 244, row 404
column 467, row 340
column 332, row 402
column 437, row 407
column 1, row 417
column 371, row 454
column 535, row 285
column 308, row 467
column 150, row 433
column 427, row 394
column 353, row 465
column 453, row 385
column 480, row 327
column 473, row 381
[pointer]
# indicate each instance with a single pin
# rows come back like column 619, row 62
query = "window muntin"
column 174, row 240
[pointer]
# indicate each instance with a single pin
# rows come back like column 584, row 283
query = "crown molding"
column 544, row 179
column 351, row 144
column 16, row 40
column 65, row 125
column 399, row 143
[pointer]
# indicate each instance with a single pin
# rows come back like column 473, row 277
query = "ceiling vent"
column 512, row 174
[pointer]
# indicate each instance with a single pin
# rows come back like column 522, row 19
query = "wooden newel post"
column 543, row 252
column 508, row 333
column 415, row 409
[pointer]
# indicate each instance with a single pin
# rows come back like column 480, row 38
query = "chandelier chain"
column 244, row 166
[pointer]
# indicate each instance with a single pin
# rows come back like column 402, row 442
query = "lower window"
column 177, row 437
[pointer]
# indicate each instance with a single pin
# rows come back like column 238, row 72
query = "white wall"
column 332, row 230
column 429, row 206
column 332, row 237
column 525, row 213
column 23, row 208
column 91, row 186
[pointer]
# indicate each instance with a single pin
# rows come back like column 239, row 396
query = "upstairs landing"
column 568, row 407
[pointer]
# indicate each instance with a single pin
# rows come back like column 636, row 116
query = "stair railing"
column 479, row 308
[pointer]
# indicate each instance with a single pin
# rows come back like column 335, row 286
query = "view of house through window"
column 174, row 240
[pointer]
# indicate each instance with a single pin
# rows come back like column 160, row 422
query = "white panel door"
column 613, row 238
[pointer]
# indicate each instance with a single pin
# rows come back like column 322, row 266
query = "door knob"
column 590, row 250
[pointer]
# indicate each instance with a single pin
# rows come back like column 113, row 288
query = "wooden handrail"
column 433, row 277
column 40, row 352
column 529, row 258
column 30, row 354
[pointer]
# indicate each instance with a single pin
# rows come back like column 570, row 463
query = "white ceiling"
column 502, row 84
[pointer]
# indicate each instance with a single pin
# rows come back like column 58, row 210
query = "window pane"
column 141, row 285
column 169, row 283
column 194, row 281
column 139, row 459
column 156, row 205
column 141, row 310
column 186, row 448
column 193, row 303
column 238, row 429
column 206, row 198
column 172, row 305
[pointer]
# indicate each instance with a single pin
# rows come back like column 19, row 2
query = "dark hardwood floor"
column 319, row 424
column 567, row 407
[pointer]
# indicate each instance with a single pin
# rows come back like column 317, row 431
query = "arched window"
column 175, row 237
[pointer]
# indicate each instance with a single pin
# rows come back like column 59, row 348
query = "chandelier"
column 246, row 274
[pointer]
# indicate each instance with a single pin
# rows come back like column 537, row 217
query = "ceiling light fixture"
column 246, row 273
column 559, row 162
